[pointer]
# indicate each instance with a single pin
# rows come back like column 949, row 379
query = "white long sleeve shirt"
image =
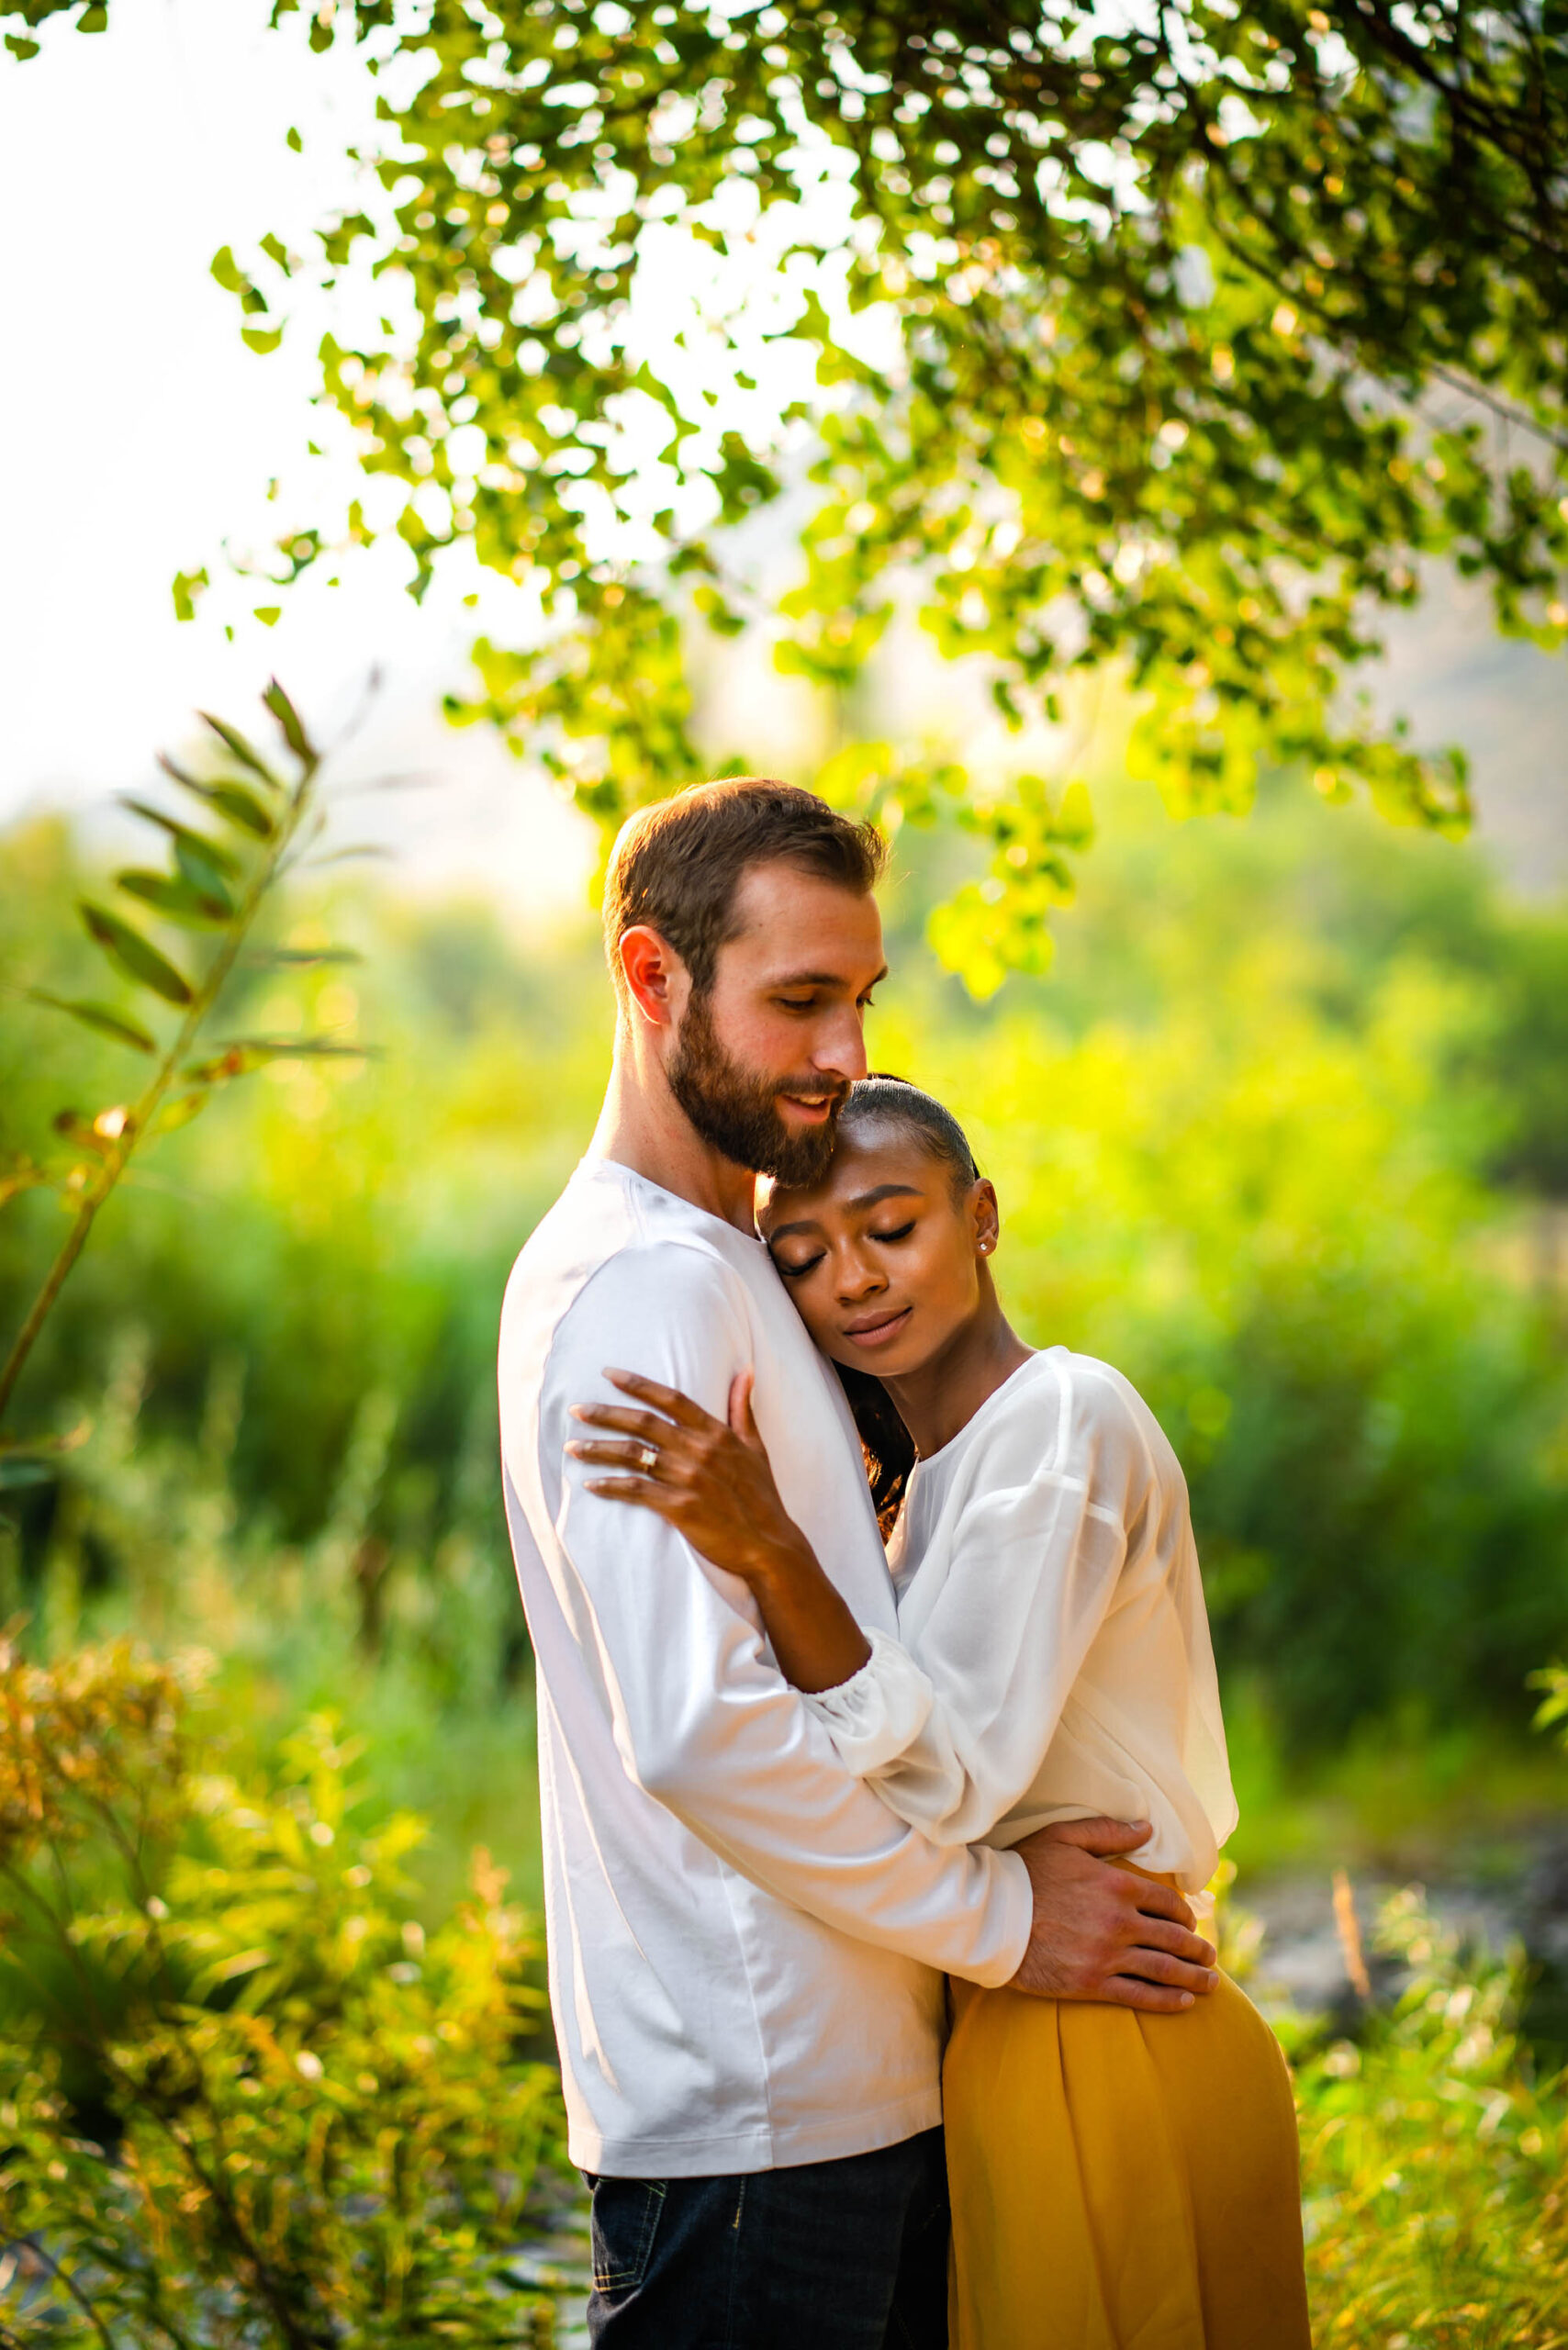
column 1053, row 1657
column 745, row 1945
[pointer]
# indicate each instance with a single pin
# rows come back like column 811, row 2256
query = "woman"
column 1119, row 2180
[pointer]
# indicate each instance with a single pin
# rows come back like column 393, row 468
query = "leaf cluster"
column 326, row 2124
column 1434, row 2165
column 1175, row 347
column 255, row 817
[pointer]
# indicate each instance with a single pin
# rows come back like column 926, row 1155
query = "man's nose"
column 839, row 1047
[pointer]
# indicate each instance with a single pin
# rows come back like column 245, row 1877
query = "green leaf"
column 187, row 586
column 228, row 272
column 243, row 751
column 182, row 1110
column 98, row 1016
column 289, row 720
column 175, row 897
column 242, row 808
column 222, row 862
column 246, row 1054
column 300, row 958
column 135, row 954
column 201, row 869
column 262, row 339
column 231, row 799
column 14, row 1475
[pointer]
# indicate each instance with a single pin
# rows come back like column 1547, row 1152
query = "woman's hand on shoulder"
column 710, row 1479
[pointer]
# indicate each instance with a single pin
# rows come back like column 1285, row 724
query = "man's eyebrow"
column 862, row 1199
column 821, row 980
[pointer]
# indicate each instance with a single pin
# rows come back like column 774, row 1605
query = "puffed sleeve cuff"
column 877, row 1713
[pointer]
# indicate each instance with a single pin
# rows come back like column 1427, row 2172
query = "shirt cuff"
column 877, row 1713
column 1013, row 1907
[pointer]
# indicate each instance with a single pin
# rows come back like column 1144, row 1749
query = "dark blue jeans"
column 842, row 2255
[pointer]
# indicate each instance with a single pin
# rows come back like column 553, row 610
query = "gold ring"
column 648, row 1460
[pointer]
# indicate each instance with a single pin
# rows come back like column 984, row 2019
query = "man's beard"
column 737, row 1113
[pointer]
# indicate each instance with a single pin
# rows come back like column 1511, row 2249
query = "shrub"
column 1434, row 2163
column 314, row 2123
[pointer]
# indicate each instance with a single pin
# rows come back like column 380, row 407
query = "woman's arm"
column 712, row 1482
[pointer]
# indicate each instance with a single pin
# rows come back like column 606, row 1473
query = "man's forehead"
column 798, row 926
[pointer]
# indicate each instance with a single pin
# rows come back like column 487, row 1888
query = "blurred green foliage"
column 217, row 886
column 248, row 2097
column 324, row 2123
column 1173, row 347
column 1433, row 2160
column 1260, row 1143
column 1168, row 345
column 1281, row 1138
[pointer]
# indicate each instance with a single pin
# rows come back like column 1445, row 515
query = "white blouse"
column 1053, row 1659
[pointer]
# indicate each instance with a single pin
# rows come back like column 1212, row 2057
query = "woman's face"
column 882, row 1258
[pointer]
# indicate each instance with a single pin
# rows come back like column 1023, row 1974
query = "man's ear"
column 658, row 982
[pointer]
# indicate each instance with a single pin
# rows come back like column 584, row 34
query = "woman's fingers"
column 642, row 1490
column 611, row 1455
column 668, row 1400
column 743, row 1421
column 624, row 1421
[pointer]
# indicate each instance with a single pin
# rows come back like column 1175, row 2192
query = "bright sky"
column 142, row 433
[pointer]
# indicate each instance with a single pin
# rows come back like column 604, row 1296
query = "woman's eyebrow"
column 885, row 1192
column 862, row 1199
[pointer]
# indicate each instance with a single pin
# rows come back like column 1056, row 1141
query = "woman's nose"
column 857, row 1277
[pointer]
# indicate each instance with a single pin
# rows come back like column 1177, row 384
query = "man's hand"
column 1104, row 1934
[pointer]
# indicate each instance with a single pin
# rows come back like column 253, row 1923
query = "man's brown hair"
column 677, row 866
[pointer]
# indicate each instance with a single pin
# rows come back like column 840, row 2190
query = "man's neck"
column 644, row 1127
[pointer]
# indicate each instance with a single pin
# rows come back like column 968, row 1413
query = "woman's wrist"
column 782, row 1563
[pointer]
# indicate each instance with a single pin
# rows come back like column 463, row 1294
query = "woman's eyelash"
column 794, row 1272
column 901, row 1233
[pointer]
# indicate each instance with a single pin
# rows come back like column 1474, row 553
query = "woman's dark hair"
column 886, row 1442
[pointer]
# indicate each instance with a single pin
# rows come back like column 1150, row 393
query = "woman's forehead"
column 872, row 1158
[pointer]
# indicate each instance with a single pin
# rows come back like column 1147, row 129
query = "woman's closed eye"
column 791, row 1267
column 900, row 1232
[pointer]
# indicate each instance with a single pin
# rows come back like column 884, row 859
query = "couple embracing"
column 879, row 1734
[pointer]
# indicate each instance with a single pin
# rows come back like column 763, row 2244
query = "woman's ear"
column 987, row 1216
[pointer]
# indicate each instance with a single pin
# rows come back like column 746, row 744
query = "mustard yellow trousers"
column 1121, row 2181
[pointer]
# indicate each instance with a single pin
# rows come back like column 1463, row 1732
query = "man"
column 746, row 1948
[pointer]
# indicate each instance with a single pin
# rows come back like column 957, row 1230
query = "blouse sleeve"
column 954, row 1734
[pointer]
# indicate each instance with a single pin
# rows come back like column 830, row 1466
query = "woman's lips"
column 877, row 1334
